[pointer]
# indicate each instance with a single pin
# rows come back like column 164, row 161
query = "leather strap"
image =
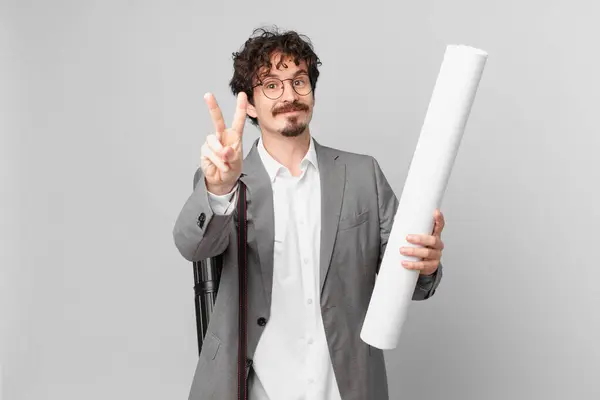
column 243, row 283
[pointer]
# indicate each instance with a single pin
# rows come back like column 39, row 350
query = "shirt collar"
column 273, row 166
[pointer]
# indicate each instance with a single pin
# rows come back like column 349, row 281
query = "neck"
column 288, row 151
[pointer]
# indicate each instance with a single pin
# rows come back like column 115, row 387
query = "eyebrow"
column 299, row 72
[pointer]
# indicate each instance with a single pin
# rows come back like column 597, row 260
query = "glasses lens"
column 272, row 88
column 301, row 85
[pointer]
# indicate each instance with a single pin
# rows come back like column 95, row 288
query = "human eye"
column 303, row 81
column 271, row 84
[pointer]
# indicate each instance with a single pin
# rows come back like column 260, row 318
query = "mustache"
column 295, row 106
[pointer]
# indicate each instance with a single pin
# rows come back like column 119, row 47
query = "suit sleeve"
column 388, row 205
column 200, row 233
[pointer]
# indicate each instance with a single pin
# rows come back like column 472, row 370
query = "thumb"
column 439, row 223
column 228, row 153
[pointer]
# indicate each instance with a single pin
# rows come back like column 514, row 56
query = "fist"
column 221, row 155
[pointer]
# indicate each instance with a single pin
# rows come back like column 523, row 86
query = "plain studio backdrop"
column 102, row 120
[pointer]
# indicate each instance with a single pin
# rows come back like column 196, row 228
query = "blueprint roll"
column 427, row 178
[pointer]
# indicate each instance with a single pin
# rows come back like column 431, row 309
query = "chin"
column 293, row 130
column 293, row 126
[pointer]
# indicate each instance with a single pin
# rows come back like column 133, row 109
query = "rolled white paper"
column 426, row 182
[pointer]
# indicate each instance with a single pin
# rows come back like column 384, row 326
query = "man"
column 318, row 223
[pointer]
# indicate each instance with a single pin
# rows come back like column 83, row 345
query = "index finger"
column 240, row 113
column 215, row 113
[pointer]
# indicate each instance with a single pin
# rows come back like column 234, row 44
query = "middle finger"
column 421, row 252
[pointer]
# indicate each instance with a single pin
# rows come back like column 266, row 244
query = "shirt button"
column 310, row 341
column 311, row 380
column 309, row 301
column 306, row 261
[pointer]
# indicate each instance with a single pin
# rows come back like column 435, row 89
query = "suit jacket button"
column 201, row 220
column 262, row 321
column 248, row 362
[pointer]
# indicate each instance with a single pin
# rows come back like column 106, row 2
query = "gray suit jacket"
column 358, row 207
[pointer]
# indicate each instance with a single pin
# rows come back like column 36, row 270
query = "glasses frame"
column 283, row 85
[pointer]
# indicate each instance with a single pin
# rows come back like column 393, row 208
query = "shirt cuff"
column 222, row 204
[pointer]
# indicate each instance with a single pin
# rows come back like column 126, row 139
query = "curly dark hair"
column 257, row 51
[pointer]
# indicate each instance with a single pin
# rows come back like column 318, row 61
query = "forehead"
column 282, row 65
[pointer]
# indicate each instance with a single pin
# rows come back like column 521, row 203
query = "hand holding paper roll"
column 426, row 182
column 428, row 248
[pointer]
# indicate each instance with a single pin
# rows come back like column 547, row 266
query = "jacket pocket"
column 353, row 221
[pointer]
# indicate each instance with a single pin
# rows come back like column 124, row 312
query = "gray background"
column 102, row 121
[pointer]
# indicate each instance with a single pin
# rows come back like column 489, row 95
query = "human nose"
column 289, row 93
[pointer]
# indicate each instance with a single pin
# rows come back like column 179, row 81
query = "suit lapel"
column 261, row 219
column 333, row 179
column 260, row 215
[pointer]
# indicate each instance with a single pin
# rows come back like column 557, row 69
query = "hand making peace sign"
column 221, row 154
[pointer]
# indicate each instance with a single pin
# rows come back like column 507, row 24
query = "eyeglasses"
column 273, row 88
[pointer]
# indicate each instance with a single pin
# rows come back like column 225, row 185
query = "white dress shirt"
column 292, row 360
